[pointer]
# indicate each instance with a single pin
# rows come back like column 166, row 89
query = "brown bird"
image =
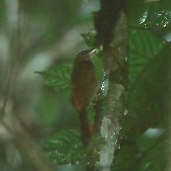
column 83, row 80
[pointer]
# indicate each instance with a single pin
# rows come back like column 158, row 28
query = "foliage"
column 89, row 38
column 149, row 61
column 65, row 147
column 58, row 76
column 147, row 98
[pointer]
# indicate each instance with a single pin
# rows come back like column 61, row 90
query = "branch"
column 110, row 109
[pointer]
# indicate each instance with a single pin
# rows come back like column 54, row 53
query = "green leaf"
column 144, row 45
column 90, row 38
column 58, row 76
column 65, row 148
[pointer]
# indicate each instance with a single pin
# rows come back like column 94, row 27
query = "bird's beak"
column 93, row 51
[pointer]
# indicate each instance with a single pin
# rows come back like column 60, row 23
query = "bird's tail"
column 85, row 128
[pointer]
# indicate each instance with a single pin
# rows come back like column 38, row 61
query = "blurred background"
column 35, row 36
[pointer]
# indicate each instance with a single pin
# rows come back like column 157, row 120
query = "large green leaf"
column 65, row 147
column 58, row 76
column 149, row 88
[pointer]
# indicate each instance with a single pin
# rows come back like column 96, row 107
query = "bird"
column 83, row 81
